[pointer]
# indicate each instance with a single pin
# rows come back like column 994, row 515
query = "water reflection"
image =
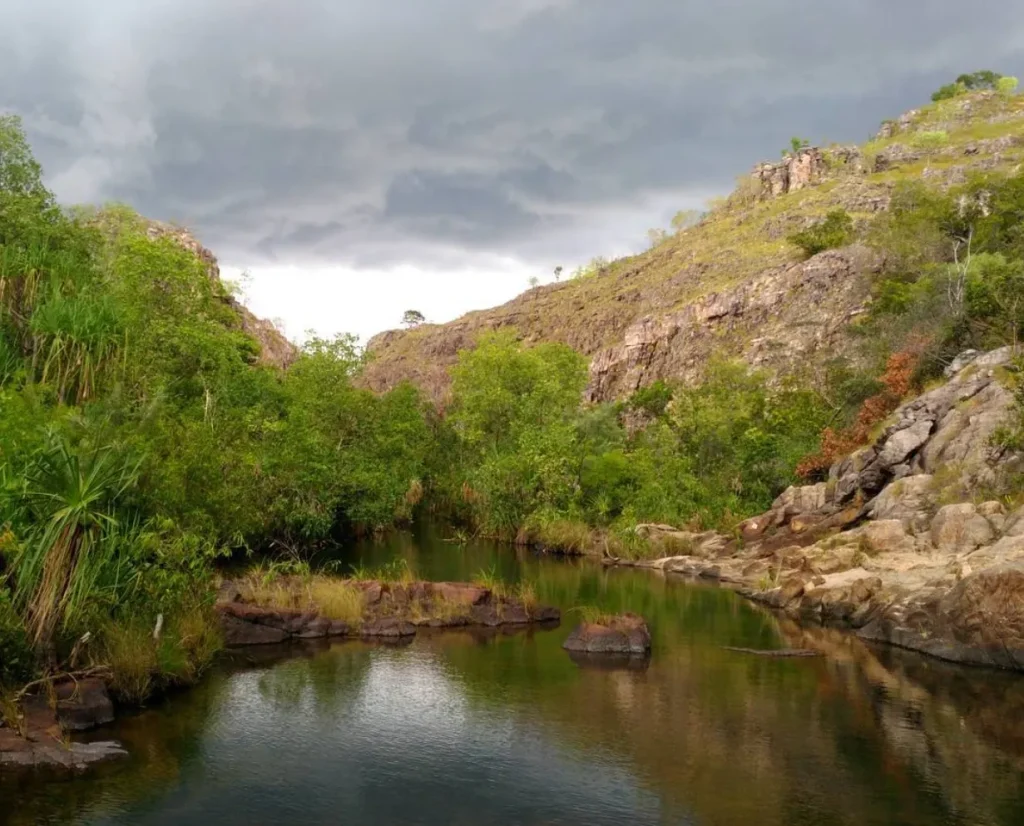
column 469, row 728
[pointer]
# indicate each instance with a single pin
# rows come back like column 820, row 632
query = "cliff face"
column 732, row 286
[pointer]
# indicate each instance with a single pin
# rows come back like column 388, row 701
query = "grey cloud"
column 364, row 133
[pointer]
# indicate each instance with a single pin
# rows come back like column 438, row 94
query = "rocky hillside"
column 911, row 541
column 733, row 285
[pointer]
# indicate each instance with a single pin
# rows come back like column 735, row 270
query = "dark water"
column 459, row 728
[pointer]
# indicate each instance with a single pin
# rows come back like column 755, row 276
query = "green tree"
column 413, row 318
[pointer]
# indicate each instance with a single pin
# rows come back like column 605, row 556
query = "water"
column 462, row 728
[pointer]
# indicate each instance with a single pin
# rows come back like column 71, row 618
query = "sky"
column 357, row 158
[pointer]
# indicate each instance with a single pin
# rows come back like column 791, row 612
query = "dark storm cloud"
column 365, row 132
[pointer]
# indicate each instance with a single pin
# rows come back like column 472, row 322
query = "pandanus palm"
column 71, row 494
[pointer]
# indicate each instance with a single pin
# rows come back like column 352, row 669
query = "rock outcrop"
column 390, row 611
column 899, row 543
column 624, row 634
column 44, row 725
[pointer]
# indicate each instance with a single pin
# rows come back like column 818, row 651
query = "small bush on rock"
column 836, row 230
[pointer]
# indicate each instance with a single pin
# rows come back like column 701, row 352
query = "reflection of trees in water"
column 848, row 738
column 959, row 730
column 327, row 677
column 166, row 739
column 860, row 736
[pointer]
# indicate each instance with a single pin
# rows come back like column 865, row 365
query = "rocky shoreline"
column 388, row 612
column 905, row 543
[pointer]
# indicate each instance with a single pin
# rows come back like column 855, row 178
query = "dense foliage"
column 518, row 451
column 140, row 438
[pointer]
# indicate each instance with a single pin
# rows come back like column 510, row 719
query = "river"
column 468, row 728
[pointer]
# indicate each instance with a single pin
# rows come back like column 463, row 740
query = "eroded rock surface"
column 898, row 543
column 42, row 737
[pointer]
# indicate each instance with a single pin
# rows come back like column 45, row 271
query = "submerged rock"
column 622, row 634
column 21, row 752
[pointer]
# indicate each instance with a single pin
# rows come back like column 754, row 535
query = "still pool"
column 471, row 728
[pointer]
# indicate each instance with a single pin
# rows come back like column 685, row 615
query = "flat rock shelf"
column 384, row 611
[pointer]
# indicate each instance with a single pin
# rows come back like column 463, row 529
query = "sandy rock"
column 908, row 500
column 980, row 621
column 960, row 528
column 1014, row 524
column 460, row 592
column 888, row 535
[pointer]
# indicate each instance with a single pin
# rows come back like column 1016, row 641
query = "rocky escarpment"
column 906, row 542
column 732, row 286
column 781, row 319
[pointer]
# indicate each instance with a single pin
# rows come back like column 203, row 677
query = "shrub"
column 836, row 230
column 1007, row 85
column 652, row 399
column 896, row 380
column 949, row 91
column 931, row 140
column 973, row 82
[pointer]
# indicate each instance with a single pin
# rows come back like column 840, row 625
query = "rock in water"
column 83, row 705
column 622, row 634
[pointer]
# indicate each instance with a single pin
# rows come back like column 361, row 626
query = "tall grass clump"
column 71, row 493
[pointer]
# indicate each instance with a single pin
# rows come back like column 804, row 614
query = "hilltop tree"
column 413, row 318
column 973, row 82
column 795, row 145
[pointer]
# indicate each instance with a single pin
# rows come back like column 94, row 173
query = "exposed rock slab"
column 895, row 544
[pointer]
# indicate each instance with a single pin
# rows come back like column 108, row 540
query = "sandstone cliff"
column 731, row 286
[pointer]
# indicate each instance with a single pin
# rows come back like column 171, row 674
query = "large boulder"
column 83, row 705
column 909, row 500
column 980, row 621
column 958, row 528
column 622, row 634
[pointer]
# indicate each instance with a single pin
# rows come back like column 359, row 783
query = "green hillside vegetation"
column 740, row 237
column 141, row 439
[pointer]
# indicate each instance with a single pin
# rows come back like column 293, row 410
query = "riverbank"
column 258, row 610
column 916, row 540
